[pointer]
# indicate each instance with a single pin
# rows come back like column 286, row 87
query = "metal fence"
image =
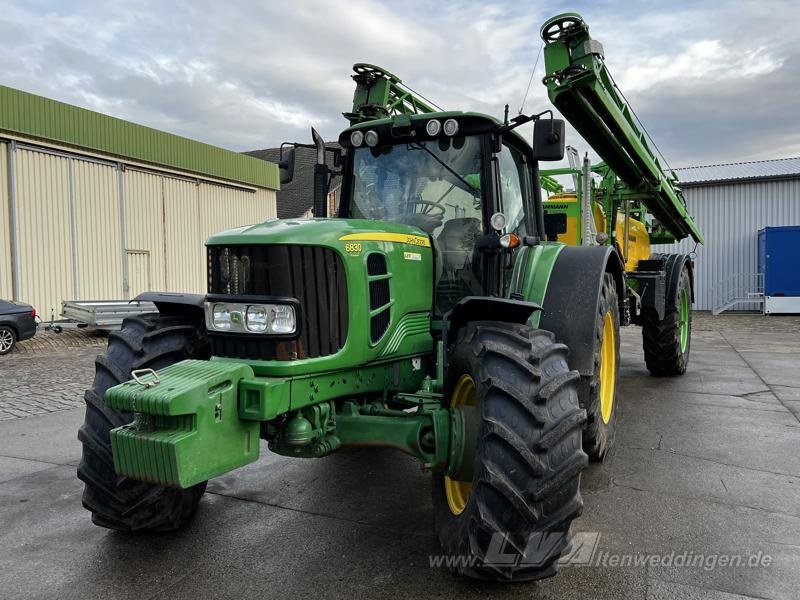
column 740, row 291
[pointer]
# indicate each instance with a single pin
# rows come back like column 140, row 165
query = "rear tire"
column 666, row 342
column 525, row 491
column 146, row 341
column 8, row 339
column 598, row 395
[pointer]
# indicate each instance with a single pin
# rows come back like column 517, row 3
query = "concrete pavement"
column 705, row 464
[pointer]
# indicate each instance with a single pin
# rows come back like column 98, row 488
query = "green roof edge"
column 30, row 115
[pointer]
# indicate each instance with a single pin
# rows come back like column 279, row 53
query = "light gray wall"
column 730, row 215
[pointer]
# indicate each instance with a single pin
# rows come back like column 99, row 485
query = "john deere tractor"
column 430, row 314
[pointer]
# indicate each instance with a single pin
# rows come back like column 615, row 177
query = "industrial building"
column 296, row 198
column 93, row 207
column 731, row 203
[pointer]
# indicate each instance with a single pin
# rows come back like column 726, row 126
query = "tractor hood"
column 322, row 232
column 362, row 291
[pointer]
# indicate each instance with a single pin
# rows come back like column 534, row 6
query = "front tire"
column 525, row 490
column 146, row 341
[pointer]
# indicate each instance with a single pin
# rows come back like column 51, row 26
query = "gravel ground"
column 48, row 373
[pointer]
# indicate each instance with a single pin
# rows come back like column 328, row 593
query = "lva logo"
column 576, row 550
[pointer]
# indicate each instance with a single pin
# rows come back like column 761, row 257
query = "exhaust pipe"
column 321, row 177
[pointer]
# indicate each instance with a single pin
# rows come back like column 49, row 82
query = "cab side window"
column 513, row 190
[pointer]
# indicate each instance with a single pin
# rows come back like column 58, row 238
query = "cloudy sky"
column 713, row 81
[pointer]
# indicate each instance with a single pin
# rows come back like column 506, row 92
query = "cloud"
column 712, row 81
column 703, row 60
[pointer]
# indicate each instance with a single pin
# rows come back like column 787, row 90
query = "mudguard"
column 674, row 266
column 171, row 304
column 572, row 298
column 482, row 308
column 658, row 281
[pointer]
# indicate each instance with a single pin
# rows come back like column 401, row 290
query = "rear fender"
column 571, row 300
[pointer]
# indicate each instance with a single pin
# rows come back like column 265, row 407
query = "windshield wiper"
column 469, row 186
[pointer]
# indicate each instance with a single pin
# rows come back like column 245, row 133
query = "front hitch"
column 197, row 419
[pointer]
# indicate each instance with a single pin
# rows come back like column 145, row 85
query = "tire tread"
column 148, row 340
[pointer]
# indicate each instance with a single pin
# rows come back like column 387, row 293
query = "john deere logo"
column 236, row 317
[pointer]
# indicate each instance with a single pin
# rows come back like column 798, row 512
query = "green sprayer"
column 445, row 310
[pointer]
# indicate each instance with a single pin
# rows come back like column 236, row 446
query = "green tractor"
column 429, row 315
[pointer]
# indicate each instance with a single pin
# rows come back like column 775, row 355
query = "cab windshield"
column 423, row 184
column 436, row 186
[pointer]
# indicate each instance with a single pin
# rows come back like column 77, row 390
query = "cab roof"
column 480, row 123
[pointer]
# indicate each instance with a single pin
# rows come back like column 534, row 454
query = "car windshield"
column 423, row 184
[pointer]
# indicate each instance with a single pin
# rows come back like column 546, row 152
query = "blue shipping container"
column 779, row 260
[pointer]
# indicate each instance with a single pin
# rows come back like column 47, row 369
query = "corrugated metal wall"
column 5, row 227
column 144, row 231
column 43, row 228
column 730, row 216
column 215, row 217
column 186, row 263
column 97, row 226
column 83, row 225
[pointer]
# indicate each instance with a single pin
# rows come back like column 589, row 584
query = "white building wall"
column 144, row 231
column 43, row 228
column 96, row 235
column 91, row 229
column 729, row 216
column 6, row 290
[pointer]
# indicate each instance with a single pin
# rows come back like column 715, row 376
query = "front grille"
column 376, row 264
column 378, row 293
column 311, row 274
column 379, row 296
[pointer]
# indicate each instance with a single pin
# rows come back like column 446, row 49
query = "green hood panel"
column 319, row 232
column 389, row 300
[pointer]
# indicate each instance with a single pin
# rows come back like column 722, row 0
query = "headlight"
column 256, row 318
column 275, row 319
column 371, row 137
column 433, row 127
column 283, row 319
column 450, row 127
column 498, row 221
column 221, row 317
column 356, row 138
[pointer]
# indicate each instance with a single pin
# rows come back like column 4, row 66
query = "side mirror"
column 286, row 165
column 548, row 139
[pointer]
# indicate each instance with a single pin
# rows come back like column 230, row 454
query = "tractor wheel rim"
column 457, row 492
column 608, row 368
column 5, row 341
column 684, row 320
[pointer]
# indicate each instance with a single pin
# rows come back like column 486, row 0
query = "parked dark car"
column 17, row 322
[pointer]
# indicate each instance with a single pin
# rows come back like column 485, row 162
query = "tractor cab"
column 455, row 177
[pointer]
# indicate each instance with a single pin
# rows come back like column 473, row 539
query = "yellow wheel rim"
column 608, row 368
column 457, row 492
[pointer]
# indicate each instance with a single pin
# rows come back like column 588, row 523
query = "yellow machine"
column 567, row 228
